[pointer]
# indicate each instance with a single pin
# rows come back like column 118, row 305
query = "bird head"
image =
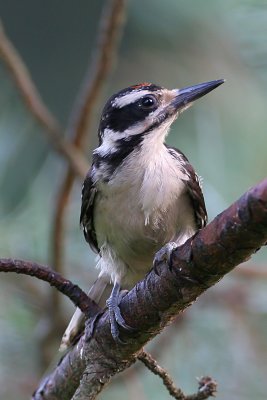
column 143, row 108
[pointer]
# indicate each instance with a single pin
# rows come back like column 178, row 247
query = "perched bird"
column 141, row 198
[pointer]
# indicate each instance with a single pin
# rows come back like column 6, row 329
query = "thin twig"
column 109, row 29
column 207, row 387
column 36, row 106
column 65, row 286
column 153, row 366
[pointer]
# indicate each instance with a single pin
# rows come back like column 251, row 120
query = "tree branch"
column 65, row 286
column 231, row 238
column 207, row 386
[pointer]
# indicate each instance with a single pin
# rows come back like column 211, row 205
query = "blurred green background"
column 173, row 43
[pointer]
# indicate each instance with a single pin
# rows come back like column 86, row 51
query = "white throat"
column 155, row 176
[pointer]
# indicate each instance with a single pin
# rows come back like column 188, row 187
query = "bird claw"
column 164, row 256
column 116, row 319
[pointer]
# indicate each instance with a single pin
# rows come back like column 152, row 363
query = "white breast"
column 143, row 207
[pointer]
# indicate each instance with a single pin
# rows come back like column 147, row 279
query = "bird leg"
column 115, row 317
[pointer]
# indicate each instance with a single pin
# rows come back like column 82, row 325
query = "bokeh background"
column 173, row 43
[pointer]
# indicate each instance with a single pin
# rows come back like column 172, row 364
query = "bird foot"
column 115, row 317
column 164, row 256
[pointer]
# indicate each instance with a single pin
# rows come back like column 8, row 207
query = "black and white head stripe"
column 123, row 109
column 133, row 93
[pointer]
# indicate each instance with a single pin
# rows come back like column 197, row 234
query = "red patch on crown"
column 140, row 85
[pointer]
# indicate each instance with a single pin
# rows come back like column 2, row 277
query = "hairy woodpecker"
column 140, row 198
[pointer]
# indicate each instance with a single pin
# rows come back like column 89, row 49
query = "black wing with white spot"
column 86, row 218
column 193, row 188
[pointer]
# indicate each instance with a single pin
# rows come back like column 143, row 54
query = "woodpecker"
column 141, row 198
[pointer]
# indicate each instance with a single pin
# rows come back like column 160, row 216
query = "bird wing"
column 193, row 188
column 87, row 210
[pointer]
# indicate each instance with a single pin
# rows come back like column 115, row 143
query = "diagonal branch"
column 231, row 238
column 37, row 108
column 65, row 286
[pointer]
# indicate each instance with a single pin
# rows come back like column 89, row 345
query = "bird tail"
column 99, row 292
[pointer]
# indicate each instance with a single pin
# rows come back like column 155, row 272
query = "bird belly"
column 128, row 238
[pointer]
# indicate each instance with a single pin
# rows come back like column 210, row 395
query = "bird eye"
column 148, row 102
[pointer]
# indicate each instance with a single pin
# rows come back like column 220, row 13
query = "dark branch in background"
column 110, row 28
column 65, row 286
column 231, row 238
column 207, row 386
column 37, row 108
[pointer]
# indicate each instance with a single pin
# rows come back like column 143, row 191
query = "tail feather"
column 99, row 292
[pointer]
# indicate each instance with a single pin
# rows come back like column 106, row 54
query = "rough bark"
column 231, row 238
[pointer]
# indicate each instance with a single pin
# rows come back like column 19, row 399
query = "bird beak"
column 189, row 94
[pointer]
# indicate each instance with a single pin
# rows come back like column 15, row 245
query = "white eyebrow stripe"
column 129, row 98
